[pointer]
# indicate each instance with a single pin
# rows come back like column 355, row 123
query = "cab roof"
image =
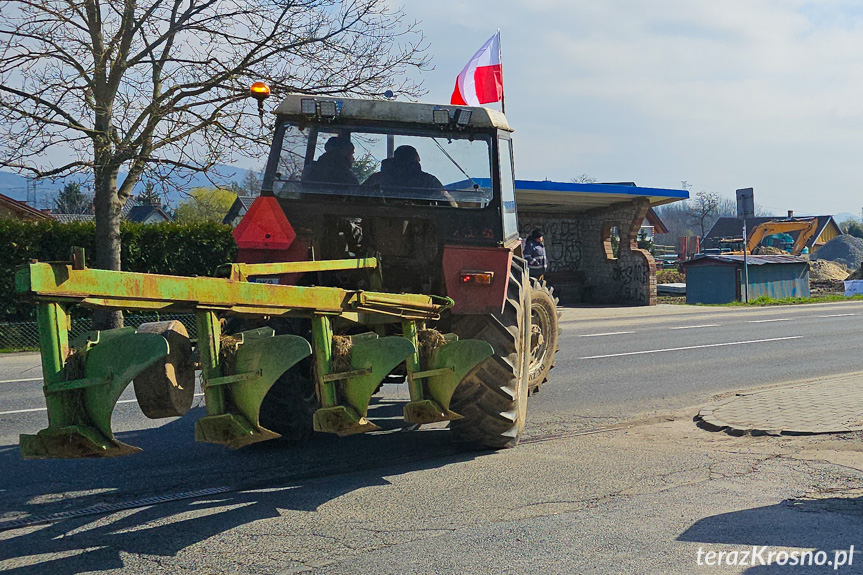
column 392, row 111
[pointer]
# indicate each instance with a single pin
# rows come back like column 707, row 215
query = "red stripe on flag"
column 489, row 83
column 457, row 99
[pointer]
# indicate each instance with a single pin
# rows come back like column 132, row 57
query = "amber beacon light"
column 260, row 92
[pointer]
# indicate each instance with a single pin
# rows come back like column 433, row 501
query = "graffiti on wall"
column 563, row 243
column 632, row 281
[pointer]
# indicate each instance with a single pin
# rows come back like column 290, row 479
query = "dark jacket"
column 534, row 253
column 405, row 180
column 330, row 169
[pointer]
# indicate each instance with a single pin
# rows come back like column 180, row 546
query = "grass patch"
column 17, row 349
column 766, row 300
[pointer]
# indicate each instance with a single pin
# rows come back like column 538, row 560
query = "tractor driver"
column 402, row 177
column 333, row 166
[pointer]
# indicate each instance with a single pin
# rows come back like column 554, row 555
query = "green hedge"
column 191, row 249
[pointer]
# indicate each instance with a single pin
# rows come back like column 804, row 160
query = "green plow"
column 234, row 400
column 83, row 379
column 82, row 387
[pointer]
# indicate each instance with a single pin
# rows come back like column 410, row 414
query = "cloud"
column 729, row 94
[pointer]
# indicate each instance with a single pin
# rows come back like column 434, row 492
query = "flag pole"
column 502, row 87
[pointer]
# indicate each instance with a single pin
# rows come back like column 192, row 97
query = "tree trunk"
column 107, row 207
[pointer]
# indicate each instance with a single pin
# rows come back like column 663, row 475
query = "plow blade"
column 80, row 406
column 258, row 363
column 448, row 365
column 371, row 361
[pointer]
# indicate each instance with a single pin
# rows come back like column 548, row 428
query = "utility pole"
column 745, row 264
column 745, row 209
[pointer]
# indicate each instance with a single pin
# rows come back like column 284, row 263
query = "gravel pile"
column 826, row 270
column 844, row 249
column 768, row 251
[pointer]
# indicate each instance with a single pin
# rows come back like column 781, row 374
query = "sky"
column 765, row 94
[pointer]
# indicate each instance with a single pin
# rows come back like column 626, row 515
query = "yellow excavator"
column 806, row 226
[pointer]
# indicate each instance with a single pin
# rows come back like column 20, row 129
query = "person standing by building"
column 534, row 253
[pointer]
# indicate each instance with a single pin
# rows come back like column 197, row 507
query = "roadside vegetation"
column 765, row 300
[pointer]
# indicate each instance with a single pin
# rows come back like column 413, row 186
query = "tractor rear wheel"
column 544, row 333
column 493, row 397
column 290, row 404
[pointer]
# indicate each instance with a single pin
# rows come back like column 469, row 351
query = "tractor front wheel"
column 544, row 333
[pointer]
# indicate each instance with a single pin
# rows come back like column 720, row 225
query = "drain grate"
column 103, row 508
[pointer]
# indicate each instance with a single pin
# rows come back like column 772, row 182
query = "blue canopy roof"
column 566, row 197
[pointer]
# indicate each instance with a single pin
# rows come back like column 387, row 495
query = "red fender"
column 460, row 262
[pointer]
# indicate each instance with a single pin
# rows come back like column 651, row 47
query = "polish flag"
column 481, row 81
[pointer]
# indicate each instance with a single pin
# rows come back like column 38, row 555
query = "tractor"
column 384, row 248
column 457, row 237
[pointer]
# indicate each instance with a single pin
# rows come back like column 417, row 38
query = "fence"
column 25, row 335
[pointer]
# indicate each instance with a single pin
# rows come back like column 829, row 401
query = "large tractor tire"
column 544, row 333
column 493, row 397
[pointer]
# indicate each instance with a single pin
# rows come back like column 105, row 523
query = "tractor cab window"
column 446, row 170
column 507, row 189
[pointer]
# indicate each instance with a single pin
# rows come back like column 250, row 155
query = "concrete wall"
column 580, row 257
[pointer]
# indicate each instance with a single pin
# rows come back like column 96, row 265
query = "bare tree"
column 703, row 209
column 251, row 184
column 153, row 86
column 727, row 207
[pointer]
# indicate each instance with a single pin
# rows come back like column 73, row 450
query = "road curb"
column 828, row 405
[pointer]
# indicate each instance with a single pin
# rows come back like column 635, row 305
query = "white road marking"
column 23, row 411
column 693, row 347
column 769, row 320
column 609, row 333
column 46, row 409
column 696, row 326
column 21, row 380
column 837, row 315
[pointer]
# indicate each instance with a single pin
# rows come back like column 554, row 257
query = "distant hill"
column 16, row 186
column 11, row 183
column 844, row 216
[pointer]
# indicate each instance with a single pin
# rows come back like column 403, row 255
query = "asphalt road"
column 648, row 360
column 615, row 364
